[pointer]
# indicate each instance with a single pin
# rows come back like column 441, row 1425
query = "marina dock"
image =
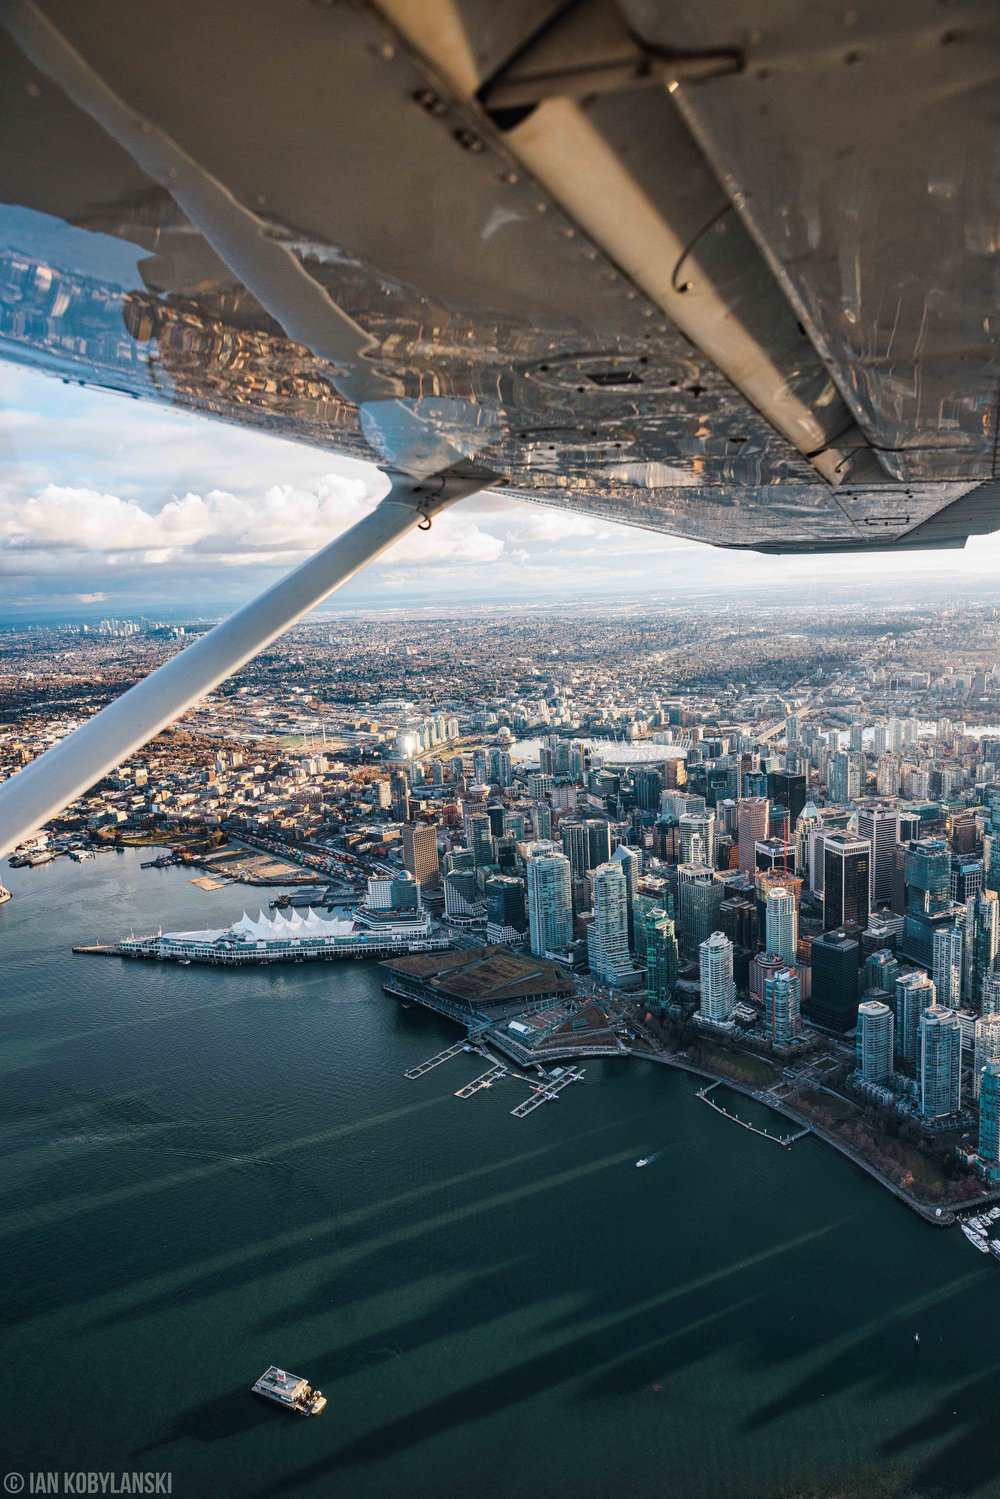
column 435, row 1061
column 786, row 1140
column 548, row 1087
column 485, row 1080
column 547, row 1091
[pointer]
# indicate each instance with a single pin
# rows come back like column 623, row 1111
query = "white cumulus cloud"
column 80, row 527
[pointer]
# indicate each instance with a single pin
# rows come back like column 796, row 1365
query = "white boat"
column 995, row 1247
column 642, row 1161
column 979, row 1240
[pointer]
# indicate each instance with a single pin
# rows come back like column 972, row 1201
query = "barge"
column 289, row 1391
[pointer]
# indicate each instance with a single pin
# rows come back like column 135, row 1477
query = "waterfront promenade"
column 941, row 1216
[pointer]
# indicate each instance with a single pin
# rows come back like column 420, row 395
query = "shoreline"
column 942, row 1215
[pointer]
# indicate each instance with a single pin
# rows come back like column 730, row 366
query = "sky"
column 110, row 504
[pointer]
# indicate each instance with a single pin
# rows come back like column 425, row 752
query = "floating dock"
column 485, row 1080
column 786, row 1140
column 435, row 1061
column 547, row 1091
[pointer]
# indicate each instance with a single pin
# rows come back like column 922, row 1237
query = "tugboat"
column 290, row 1391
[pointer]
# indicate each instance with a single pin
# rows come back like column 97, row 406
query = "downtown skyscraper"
column 876, row 1026
column 782, row 925
column 718, row 991
column 846, row 881
column 940, row 1063
column 607, row 937
column 880, row 826
column 752, row 820
column 550, row 900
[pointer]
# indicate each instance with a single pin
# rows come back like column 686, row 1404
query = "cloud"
column 538, row 524
column 81, row 527
column 106, row 499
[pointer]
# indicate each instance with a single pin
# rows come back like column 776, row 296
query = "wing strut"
column 64, row 772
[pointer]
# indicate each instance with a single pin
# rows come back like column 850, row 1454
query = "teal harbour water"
column 205, row 1172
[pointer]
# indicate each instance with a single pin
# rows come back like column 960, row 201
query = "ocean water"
column 206, row 1172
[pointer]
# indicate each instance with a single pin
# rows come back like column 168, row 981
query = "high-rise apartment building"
column 700, row 825
column 988, row 1149
column 915, row 993
column 782, row 925
column 986, row 1046
column 550, row 900
column 399, row 796
column 629, row 861
column 718, row 991
column 881, row 971
column 479, row 837
column 875, row 1040
column 982, row 944
column 940, row 1063
column 598, row 841
column 844, row 779
column 946, row 966
column 573, row 837
column 661, row 958
column 607, row 937
column 782, row 1006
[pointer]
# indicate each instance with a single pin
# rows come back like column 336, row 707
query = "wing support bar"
column 64, row 772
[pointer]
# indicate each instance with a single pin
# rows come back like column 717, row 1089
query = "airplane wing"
column 723, row 269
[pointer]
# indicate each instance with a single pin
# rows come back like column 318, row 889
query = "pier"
column 547, row 1091
column 435, row 1061
column 485, row 1080
column 786, row 1140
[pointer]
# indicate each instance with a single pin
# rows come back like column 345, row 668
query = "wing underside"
column 727, row 271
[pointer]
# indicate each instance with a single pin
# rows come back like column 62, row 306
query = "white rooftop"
column 276, row 928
